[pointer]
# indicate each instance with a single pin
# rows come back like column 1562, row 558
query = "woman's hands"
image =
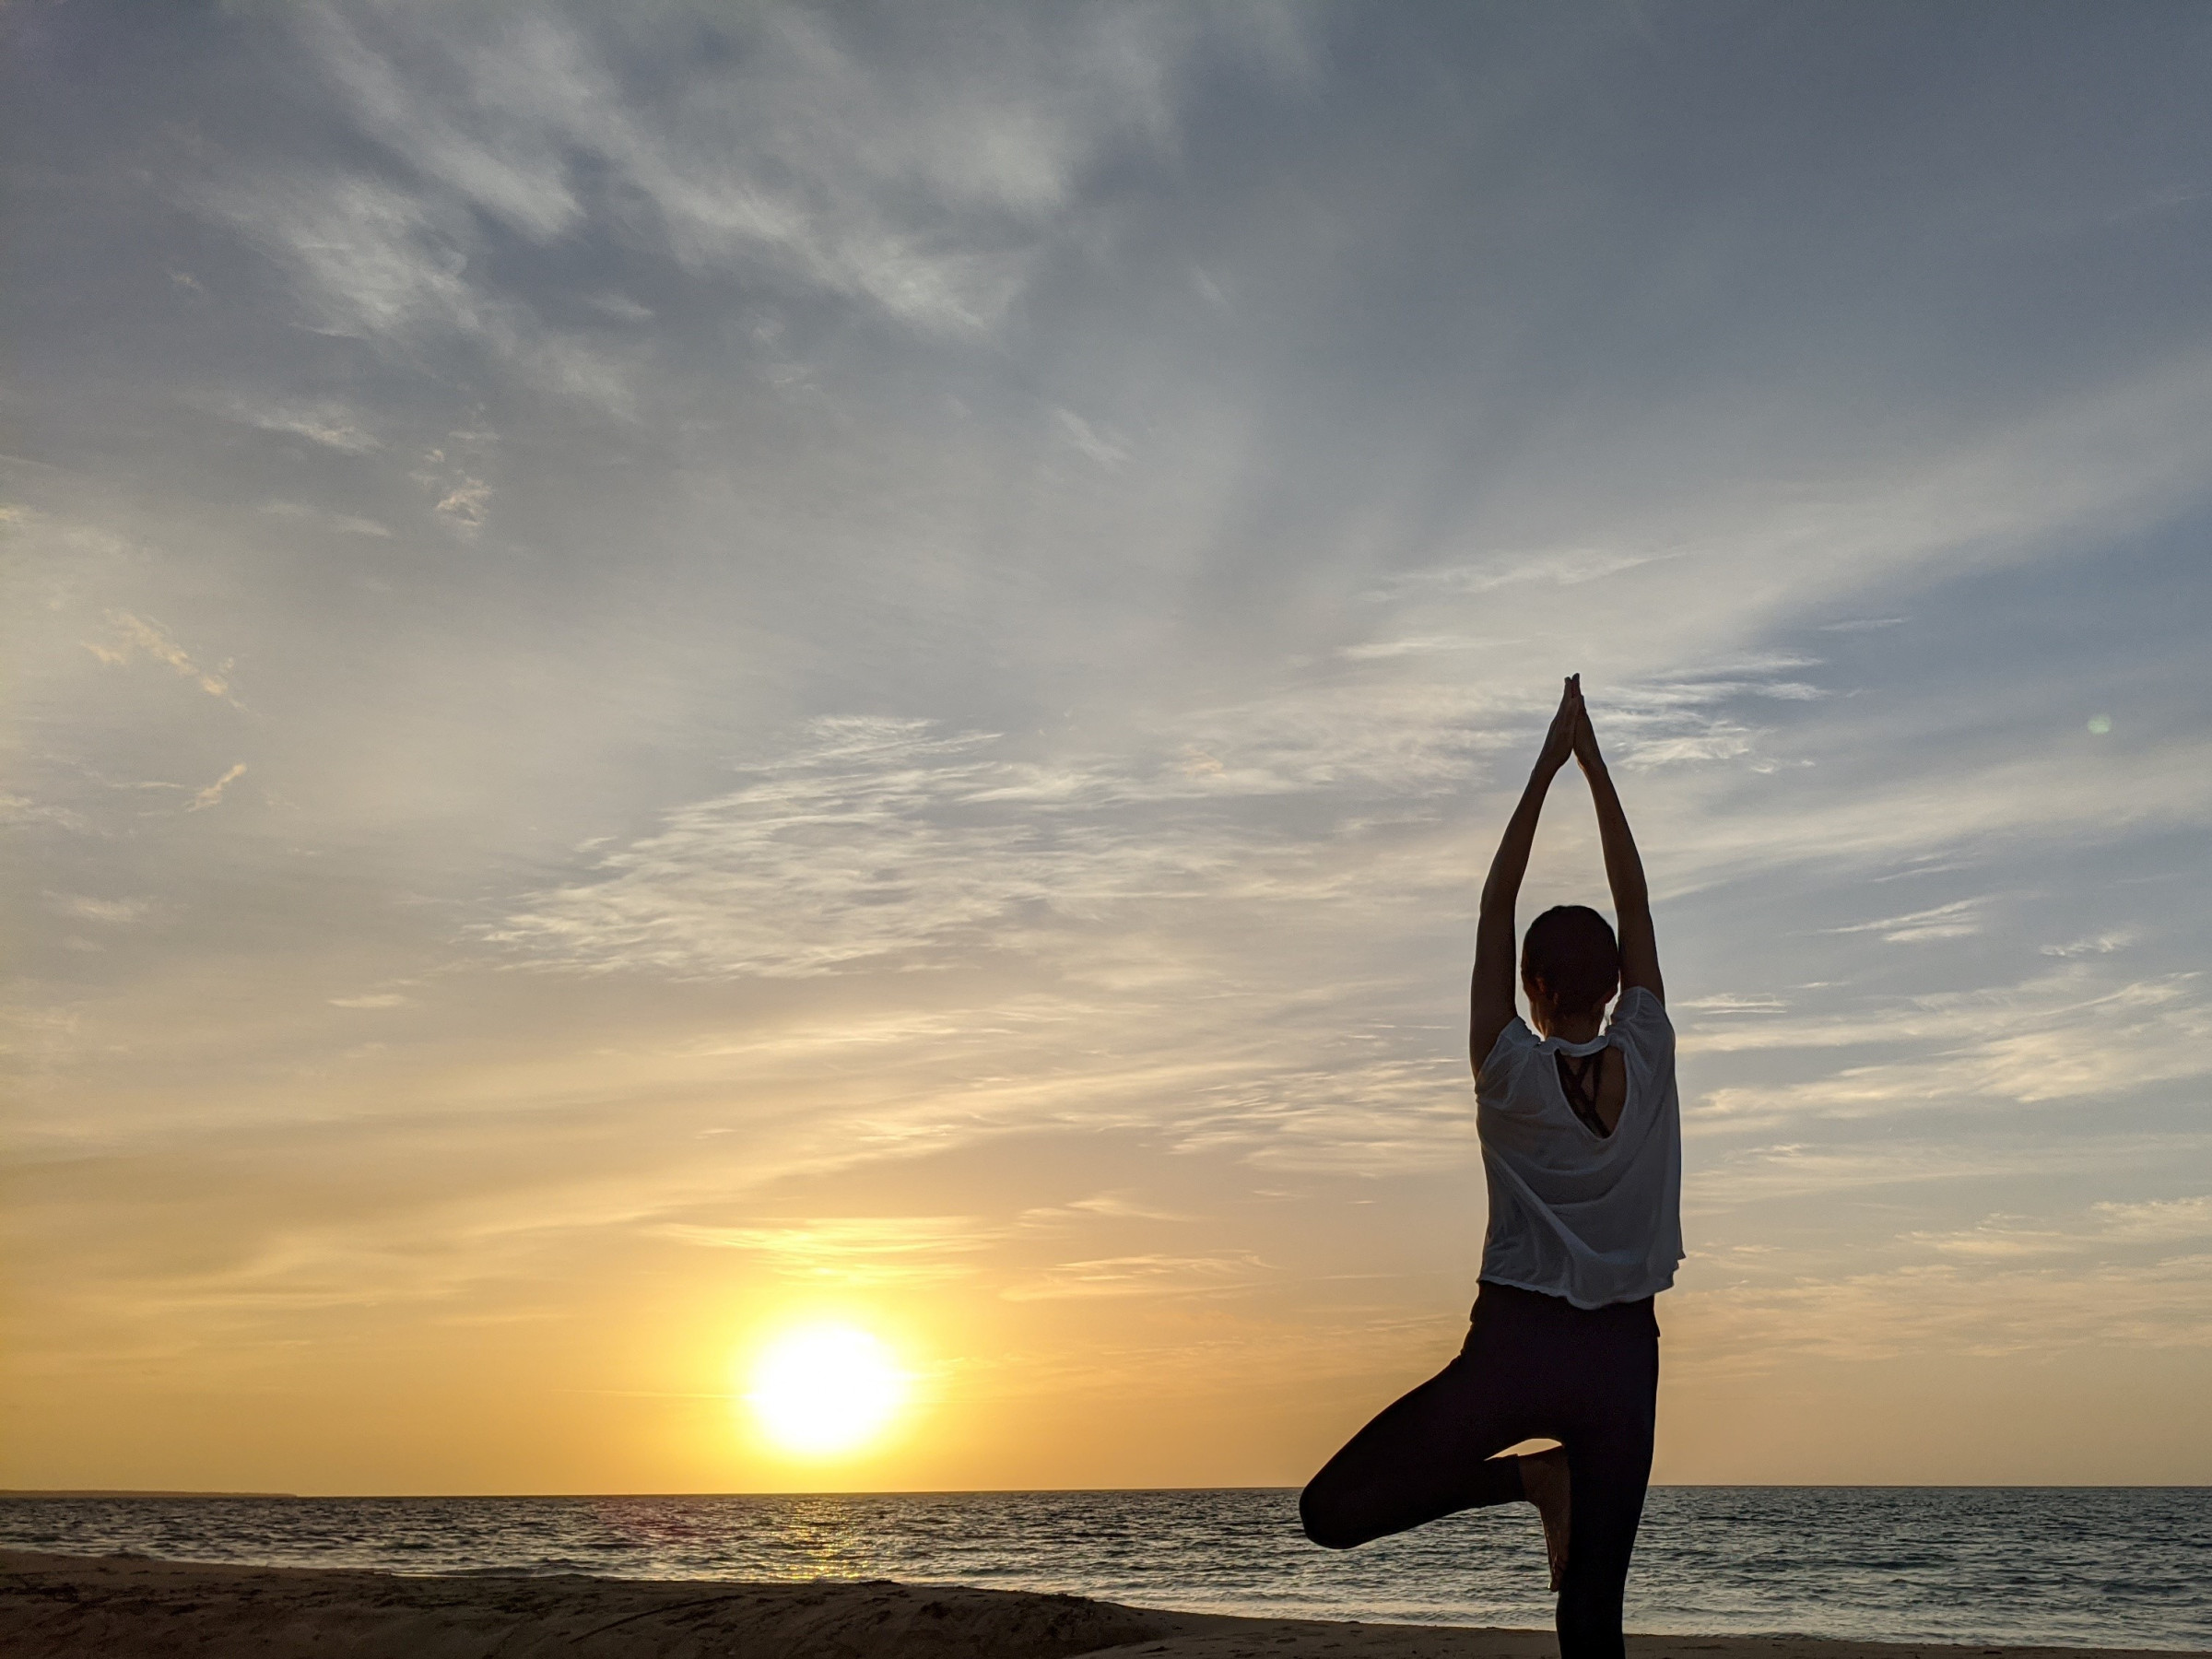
column 1585, row 741
column 1566, row 736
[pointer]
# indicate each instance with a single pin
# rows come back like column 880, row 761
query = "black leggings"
column 1533, row 1368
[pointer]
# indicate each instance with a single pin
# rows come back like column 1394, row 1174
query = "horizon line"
column 89, row 1493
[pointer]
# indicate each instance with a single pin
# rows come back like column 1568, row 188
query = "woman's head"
column 1569, row 965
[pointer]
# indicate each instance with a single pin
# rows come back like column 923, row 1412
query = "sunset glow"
column 749, row 747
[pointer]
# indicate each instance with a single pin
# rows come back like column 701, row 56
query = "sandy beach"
column 61, row 1607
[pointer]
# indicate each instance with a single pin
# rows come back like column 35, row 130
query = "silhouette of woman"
column 1582, row 1150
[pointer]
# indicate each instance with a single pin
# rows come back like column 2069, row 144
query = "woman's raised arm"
column 1490, row 1006
column 1624, row 869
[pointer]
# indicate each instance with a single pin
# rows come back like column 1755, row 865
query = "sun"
column 824, row 1389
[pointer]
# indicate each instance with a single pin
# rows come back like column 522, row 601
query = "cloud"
column 212, row 794
column 23, row 809
column 2011, row 1284
column 372, row 260
column 901, row 166
column 1996, row 1307
column 2079, row 994
column 459, row 496
column 2103, row 944
column 2157, row 1219
column 620, row 307
column 1562, row 566
column 343, row 523
column 1393, row 1115
column 1382, row 649
column 134, row 635
column 114, row 911
column 1090, row 441
column 2105, row 1227
column 880, row 839
column 463, row 506
column 327, row 422
column 2065, row 1036
column 1148, row 1275
column 876, row 841
column 483, row 145
column 873, row 841
column 373, row 999
column 1958, row 919
column 1112, row 1207
column 1917, row 1166
column 874, row 1250
column 1892, row 820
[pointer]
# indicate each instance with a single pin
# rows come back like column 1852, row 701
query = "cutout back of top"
column 1581, row 1076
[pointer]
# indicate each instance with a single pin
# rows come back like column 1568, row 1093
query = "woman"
column 1581, row 1147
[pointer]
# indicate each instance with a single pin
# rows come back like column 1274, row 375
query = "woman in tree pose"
column 1582, row 1152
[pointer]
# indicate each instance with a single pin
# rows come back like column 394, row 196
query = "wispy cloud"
column 1728, row 1002
column 327, row 422
column 1150, row 1275
column 212, row 795
column 1920, row 1168
column 113, row 912
column 1993, row 1308
column 873, row 1249
column 875, row 840
column 1563, row 567
column 2060, row 1037
column 2105, row 1227
column 134, row 635
column 373, row 261
column 1090, row 441
column 907, row 172
column 341, row 522
column 2157, row 1219
column 2103, row 944
column 1110, row 1206
column 1959, row 919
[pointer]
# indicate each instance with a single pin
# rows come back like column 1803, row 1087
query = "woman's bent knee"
column 1324, row 1521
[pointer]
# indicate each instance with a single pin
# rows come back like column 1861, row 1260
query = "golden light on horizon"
column 826, row 1389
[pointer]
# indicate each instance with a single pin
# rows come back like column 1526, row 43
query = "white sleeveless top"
column 1594, row 1218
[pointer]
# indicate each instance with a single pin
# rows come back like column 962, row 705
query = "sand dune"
column 63, row 1607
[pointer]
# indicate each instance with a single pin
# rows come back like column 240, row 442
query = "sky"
column 678, row 670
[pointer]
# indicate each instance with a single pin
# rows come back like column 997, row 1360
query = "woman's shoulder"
column 1514, row 1045
column 1640, row 1018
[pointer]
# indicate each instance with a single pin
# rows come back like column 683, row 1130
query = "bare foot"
column 1543, row 1479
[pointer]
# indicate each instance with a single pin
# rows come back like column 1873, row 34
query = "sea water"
column 2125, row 1567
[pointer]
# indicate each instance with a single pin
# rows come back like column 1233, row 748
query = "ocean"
column 2119, row 1566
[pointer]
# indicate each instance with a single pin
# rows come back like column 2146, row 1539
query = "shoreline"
column 62, row 1607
